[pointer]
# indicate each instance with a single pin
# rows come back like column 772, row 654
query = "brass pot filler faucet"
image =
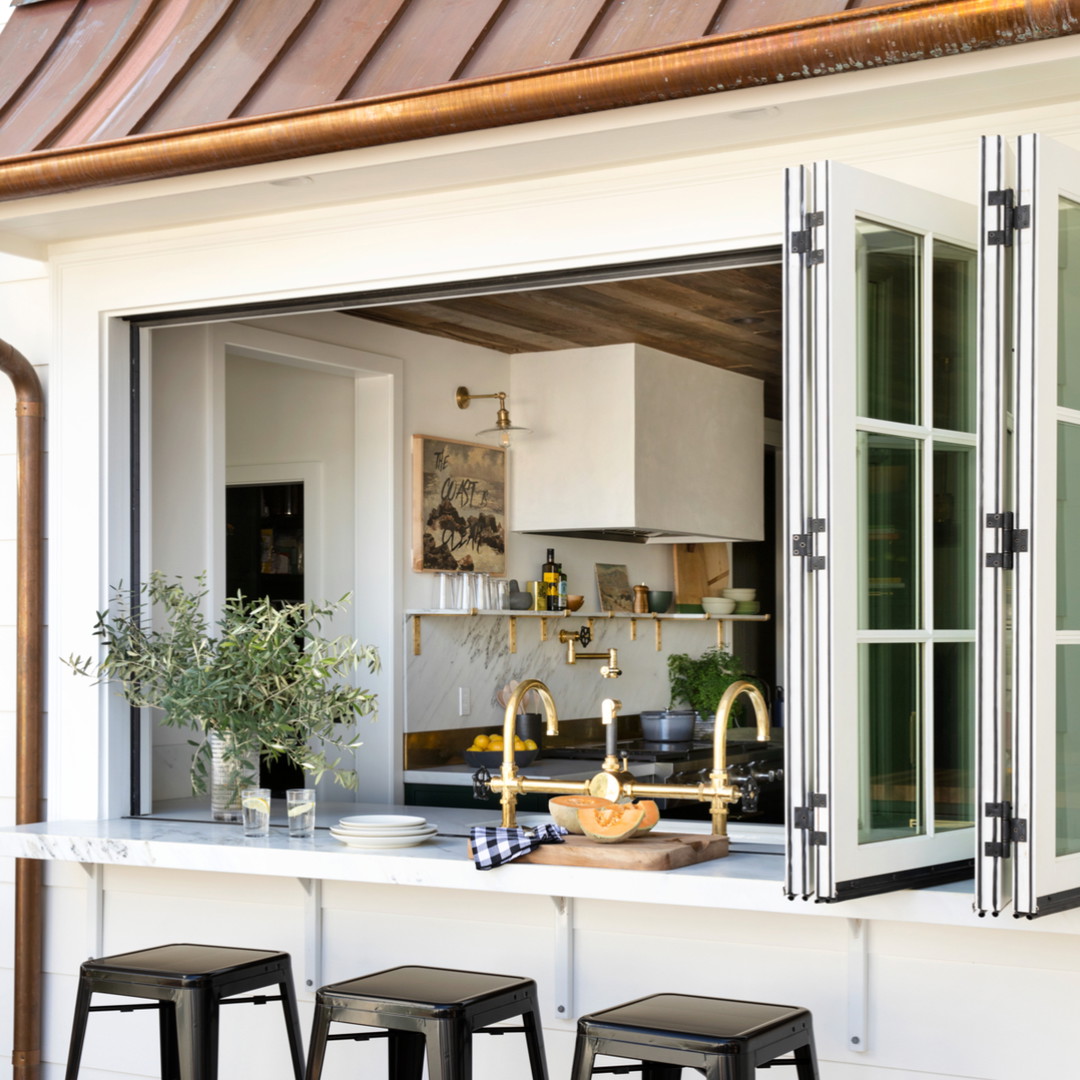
column 614, row 781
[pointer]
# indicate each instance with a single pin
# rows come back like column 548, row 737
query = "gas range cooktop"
column 633, row 750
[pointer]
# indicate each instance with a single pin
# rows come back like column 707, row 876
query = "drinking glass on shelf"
column 483, row 592
column 447, row 595
column 300, row 809
column 255, row 803
column 501, row 591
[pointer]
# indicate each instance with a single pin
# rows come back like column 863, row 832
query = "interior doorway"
column 264, row 557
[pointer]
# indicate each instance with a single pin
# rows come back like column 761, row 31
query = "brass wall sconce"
column 503, row 426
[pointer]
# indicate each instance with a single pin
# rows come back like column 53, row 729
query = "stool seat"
column 726, row 1039
column 187, row 984
column 430, row 1013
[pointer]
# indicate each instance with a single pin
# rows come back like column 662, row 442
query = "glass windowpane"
column 889, row 322
column 889, row 532
column 1068, row 749
column 1068, row 527
column 890, row 742
column 953, row 363
column 954, row 727
column 954, row 537
column 1068, row 309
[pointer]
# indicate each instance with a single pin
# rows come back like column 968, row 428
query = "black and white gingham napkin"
column 494, row 845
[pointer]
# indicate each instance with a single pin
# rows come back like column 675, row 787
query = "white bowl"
column 717, row 605
column 740, row 594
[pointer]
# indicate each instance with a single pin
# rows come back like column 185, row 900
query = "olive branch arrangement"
column 266, row 680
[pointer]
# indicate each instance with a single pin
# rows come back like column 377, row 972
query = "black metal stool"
column 187, row 983
column 432, row 1006
column 727, row 1040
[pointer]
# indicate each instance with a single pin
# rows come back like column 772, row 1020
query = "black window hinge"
column 1013, row 830
column 1012, row 217
column 802, row 544
column 1012, row 542
column 804, row 815
column 802, row 240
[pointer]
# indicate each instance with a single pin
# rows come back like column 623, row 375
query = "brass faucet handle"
column 611, row 669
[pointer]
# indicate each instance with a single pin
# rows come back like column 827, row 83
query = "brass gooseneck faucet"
column 613, row 781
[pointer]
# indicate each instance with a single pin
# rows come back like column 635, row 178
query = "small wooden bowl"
column 574, row 602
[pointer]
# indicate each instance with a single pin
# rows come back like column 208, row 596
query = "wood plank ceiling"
column 730, row 318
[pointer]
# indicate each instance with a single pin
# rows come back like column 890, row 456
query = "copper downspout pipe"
column 30, row 414
column 875, row 36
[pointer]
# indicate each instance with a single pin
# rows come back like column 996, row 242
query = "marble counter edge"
column 742, row 882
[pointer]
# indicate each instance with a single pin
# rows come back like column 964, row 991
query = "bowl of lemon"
column 487, row 750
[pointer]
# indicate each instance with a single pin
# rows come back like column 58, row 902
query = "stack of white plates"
column 382, row 830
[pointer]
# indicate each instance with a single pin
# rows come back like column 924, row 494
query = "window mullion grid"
column 926, row 442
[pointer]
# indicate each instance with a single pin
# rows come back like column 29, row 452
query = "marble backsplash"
column 472, row 652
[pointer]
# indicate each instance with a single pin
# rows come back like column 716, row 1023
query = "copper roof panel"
column 627, row 25
column 21, row 53
column 427, row 45
column 741, row 15
column 535, row 34
column 93, row 41
column 152, row 67
column 325, row 57
column 247, row 45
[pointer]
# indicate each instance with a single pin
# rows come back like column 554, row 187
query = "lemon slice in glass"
column 301, row 808
column 257, row 803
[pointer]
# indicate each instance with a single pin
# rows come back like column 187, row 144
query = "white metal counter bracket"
column 311, row 974
column 564, row 957
column 858, row 984
column 95, row 909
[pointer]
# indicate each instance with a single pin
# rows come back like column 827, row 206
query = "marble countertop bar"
column 744, row 880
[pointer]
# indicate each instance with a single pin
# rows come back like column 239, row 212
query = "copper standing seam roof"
column 105, row 91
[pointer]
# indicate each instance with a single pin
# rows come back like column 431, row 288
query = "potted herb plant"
column 263, row 683
column 701, row 681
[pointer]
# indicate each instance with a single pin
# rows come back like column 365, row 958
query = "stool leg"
column 170, row 1055
column 406, row 1050
column 196, row 1034
column 806, row 1061
column 534, row 1039
column 292, row 1026
column 449, row 1051
column 584, row 1054
column 78, row 1028
column 320, row 1028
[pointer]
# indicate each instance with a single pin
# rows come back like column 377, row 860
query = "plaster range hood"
column 634, row 444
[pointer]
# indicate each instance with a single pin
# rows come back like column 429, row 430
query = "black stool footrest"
column 360, row 1036
column 258, row 999
column 121, row 1008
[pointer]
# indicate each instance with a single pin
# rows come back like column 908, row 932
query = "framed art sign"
column 459, row 505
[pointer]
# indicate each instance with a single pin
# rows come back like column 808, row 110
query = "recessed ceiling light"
column 746, row 320
column 293, row 181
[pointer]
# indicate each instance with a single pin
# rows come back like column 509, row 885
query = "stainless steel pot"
column 668, row 725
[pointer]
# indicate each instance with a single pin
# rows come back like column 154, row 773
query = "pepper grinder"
column 641, row 599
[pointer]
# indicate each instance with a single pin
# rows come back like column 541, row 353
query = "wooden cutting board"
column 700, row 570
column 665, row 851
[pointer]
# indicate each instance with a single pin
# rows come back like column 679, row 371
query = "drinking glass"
column 255, row 802
column 300, row 805
column 501, row 597
column 447, row 591
column 483, row 592
column 468, row 591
